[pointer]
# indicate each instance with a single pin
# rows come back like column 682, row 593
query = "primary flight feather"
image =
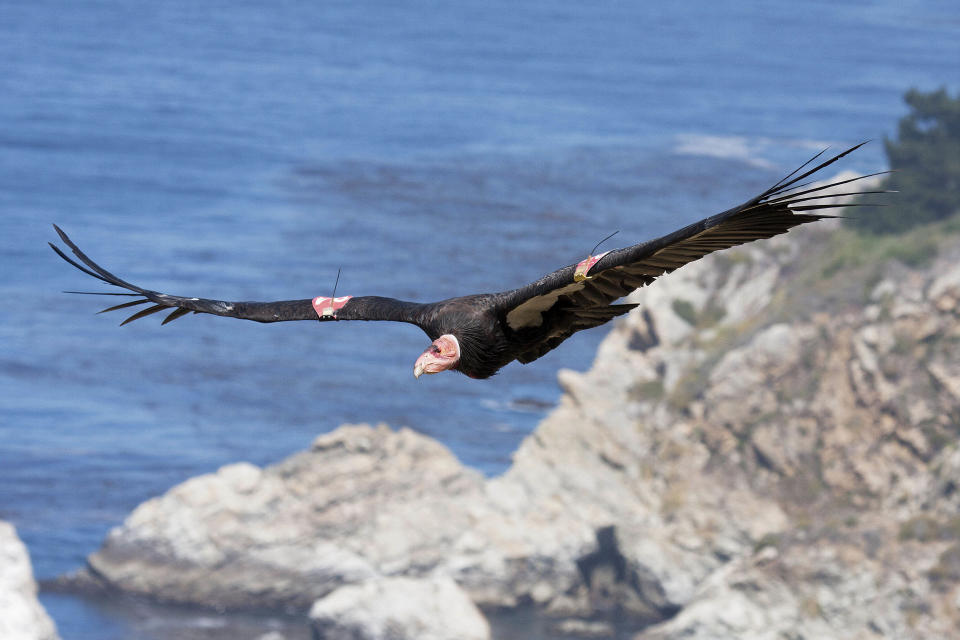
column 479, row 334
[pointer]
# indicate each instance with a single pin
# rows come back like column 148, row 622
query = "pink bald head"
column 442, row 354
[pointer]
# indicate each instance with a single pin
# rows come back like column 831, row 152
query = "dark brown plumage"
column 523, row 324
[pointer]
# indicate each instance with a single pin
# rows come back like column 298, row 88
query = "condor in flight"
column 478, row 334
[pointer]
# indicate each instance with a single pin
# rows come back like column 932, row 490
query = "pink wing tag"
column 583, row 267
column 328, row 307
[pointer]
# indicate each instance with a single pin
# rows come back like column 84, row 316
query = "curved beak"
column 442, row 354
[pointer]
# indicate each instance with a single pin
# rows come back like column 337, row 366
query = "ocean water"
column 247, row 150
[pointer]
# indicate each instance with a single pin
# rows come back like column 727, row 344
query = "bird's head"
column 442, row 354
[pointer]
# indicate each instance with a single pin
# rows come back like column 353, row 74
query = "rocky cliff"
column 765, row 449
column 21, row 616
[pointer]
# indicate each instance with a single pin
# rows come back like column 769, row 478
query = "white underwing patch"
column 530, row 313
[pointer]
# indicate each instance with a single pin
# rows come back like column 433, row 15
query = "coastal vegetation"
column 925, row 159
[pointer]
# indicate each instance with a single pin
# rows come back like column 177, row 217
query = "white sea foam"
column 727, row 147
column 751, row 150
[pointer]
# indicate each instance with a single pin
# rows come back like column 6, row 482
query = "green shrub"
column 649, row 391
column 926, row 157
column 711, row 314
column 685, row 309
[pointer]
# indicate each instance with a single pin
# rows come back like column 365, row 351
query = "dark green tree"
column 926, row 156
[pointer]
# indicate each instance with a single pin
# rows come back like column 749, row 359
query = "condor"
column 479, row 334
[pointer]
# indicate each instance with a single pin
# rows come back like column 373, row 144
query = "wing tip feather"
column 144, row 313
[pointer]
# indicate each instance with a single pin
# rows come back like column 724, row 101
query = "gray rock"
column 829, row 586
column 22, row 617
column 432, row 608
column 362, row 502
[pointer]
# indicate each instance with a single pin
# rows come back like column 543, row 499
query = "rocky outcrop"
column 843, row 415
column 399, row 609
column 362, row 502
column 21, row 616
column 765, row 449
column 861, row 583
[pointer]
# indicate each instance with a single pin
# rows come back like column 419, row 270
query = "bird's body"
column 479, row 334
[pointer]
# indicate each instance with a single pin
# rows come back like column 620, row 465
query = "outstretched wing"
column 567, row 301
column 279, row 311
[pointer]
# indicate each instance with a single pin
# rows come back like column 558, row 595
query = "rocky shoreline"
column 765, row 449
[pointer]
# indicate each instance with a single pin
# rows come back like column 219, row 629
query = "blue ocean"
column 248, row 150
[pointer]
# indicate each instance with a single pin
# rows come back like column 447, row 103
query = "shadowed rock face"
column 21, row 616
column 764, row 448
